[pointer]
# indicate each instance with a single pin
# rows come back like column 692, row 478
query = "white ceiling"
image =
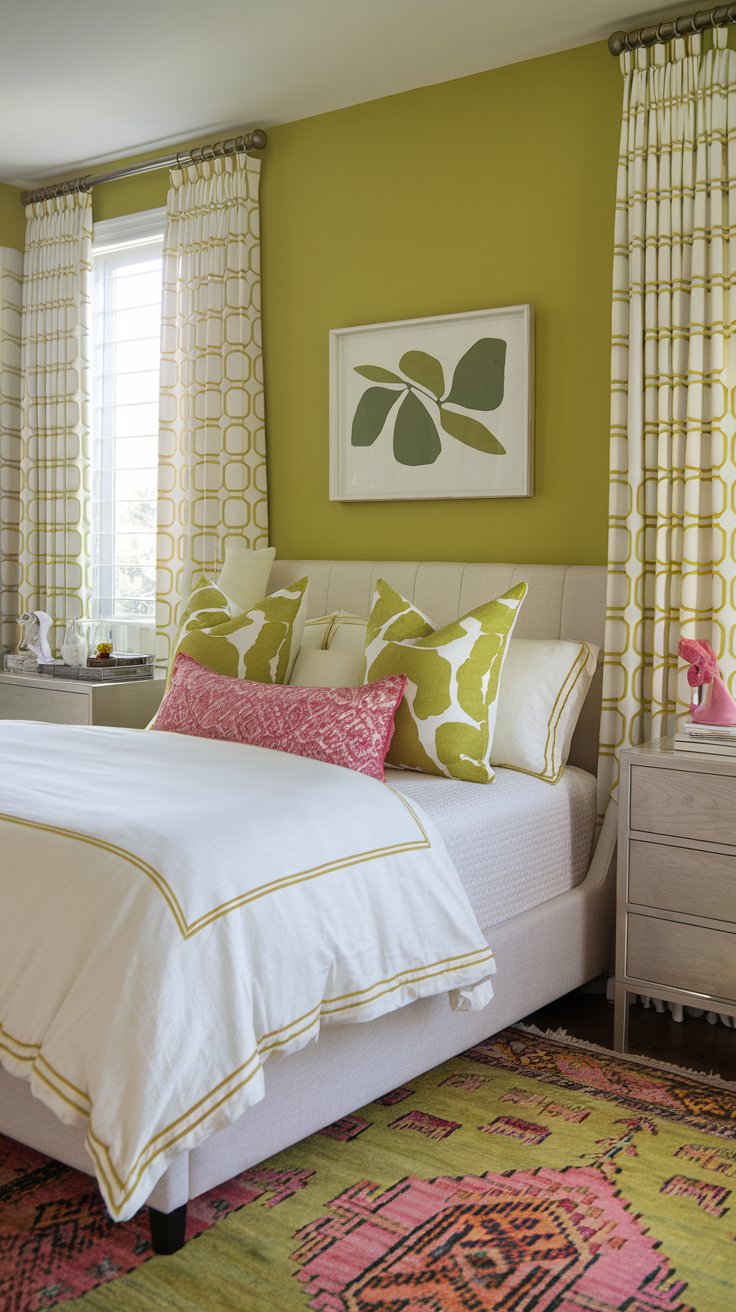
column 86, row 81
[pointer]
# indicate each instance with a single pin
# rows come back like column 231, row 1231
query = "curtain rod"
column 640, row 37
column 255, row 140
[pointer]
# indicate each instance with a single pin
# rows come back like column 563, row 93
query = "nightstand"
column 126, row 705
column 676, row 891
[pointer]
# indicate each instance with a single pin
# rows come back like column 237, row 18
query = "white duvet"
column 173, row 910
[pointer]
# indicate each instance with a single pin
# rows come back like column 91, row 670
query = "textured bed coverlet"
column 173, row 910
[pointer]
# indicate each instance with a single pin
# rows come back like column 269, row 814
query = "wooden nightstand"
column 127, row 705
column 676, row 897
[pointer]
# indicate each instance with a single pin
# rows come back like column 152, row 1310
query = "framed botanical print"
column 433, row 408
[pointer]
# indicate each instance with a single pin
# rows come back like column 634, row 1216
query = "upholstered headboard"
column 564, row 601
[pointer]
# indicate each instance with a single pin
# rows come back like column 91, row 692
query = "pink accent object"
column 718, row 706
column 701, row 658
column 351, row 727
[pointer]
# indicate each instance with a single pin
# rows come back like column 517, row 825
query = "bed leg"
column 168, row 1229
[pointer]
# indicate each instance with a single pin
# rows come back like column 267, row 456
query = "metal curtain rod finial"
column 687, row 25
column 247, row 141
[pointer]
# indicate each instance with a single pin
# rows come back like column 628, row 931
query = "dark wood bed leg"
column 168, row 1229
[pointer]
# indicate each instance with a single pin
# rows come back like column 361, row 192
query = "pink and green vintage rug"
column 529, row 1173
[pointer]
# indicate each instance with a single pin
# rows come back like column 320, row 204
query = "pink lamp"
column 718, row 706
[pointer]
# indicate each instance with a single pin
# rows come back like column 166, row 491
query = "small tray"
column 107, row 673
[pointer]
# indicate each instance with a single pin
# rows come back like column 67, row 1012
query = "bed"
column 543, row 897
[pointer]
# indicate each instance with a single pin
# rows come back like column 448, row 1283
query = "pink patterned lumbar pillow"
column 352, row 727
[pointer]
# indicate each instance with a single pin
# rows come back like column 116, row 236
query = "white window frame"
column 128, row 231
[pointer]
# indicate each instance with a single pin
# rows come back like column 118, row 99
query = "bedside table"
column 676, row 890
column 125, row 705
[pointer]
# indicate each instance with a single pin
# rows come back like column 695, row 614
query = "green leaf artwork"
column 416, row 440
column 477, row 384
column 424, row 369
column 376, row 374
column 470, row 431
column 478, row 380
column 371, row 414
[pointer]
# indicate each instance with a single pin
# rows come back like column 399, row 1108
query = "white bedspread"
column 172, row 910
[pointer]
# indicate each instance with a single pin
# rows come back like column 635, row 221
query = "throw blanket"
column 173, row 910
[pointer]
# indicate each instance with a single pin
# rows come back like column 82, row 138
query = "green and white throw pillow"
column 445, row 722
column 259, row 644
column 207, row 605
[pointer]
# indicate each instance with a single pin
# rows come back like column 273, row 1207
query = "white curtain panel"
column 672, row 533
column 212, row 457
column 55, row 409
column 11, row 274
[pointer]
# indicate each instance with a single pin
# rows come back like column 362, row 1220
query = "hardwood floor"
column 693, row 1043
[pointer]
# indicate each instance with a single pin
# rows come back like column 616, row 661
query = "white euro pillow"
column 245, row 573
column 544, row 684
column 315, row 668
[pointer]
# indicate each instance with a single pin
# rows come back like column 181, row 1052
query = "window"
column 126, row 353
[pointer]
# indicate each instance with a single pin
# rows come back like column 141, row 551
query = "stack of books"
column 716, row 738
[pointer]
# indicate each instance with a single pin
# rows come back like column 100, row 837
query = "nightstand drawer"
column 60, row 707
column 684, row 804
column 681, row 956
column 694, row 883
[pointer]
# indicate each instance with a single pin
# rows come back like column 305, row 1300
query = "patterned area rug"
column 529, row 1173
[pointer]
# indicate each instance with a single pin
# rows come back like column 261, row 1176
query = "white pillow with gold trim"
column 347, row 633
column 315, row 632
column 338, row 629
column 544, row 684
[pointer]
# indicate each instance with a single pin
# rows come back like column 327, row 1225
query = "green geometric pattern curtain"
column 212, row 454
column 11, row 277
column 55, row 409
column 672, row 532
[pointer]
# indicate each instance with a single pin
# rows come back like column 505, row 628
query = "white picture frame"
column 462, row 421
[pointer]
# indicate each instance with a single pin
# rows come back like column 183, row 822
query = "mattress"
column 517, row 841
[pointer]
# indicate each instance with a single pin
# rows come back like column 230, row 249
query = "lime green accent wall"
column 12, row 218
column 488, row 191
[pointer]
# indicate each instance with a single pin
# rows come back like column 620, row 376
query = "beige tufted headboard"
column 564, row 601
